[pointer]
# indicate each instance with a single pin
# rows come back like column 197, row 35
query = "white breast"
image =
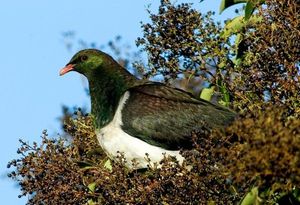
column 113, row 140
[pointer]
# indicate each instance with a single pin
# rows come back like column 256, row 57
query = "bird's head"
column 87, row 62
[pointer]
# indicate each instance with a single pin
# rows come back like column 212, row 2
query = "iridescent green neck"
column 106, row 88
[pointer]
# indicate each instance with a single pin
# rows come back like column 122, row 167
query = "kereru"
column 135, row 117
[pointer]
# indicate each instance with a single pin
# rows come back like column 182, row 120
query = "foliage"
column 269, row 70
column 254, row 161
column 265, row 152
column 182, row 42
column 50, row 172
column 257, row 150
column 72, row 172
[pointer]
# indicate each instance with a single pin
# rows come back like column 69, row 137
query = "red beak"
column 66, row 69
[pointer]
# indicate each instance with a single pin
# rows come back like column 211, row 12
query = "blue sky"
column 32, row 52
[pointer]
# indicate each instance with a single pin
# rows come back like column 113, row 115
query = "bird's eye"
column 84, row 58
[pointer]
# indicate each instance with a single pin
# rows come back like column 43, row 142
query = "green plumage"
column 166, row 117
column 107, row 82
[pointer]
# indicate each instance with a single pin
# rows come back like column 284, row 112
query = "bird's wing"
column 166, row 116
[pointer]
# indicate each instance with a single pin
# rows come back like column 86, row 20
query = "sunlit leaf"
column 233, row 26
column 107, row 165
column 92, row 186
column 207, row 93
column 251, row 198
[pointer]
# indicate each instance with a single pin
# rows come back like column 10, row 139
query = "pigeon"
column 142, row 119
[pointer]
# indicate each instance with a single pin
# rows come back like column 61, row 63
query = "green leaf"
column 227, row 3
column 211, row 203
column 92, row 186
column 222, row 64
column 207, row 93
column 296, row 193
column 91, row 202
column 237, row 25
column 250, row 7
column 107, row 165
column 233, row 26
column 252, row 198
column 237, row 61
column 225, row 95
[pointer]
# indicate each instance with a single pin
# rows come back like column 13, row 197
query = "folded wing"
column 166, row 116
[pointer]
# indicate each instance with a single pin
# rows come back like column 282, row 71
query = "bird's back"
column 165, row 116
